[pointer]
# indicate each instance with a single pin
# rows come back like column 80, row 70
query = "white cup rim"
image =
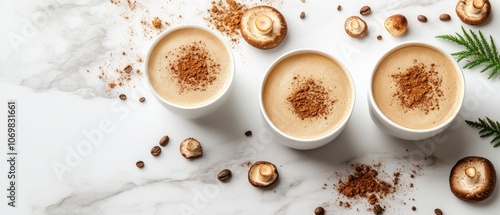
column 186, row 26
column 325, row 136
column 443, row 124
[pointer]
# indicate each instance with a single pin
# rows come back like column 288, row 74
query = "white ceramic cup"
column 396, row 130
column 303, row 143
column 207, row 108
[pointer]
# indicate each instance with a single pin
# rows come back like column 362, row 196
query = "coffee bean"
column 377, row 210
column 139, row 164
column 302, row 15
column 339, row 8
column 123, row 97
column 365, row 10
column 379, row 37
column 142, row 99
column 445, row 17
column 413, row 208
column 224, row 175
column 248, row 133
column 319, row 211
column 438, row 211
column 164, row 140
column 128, row 68
column 155, row 151
column 422, row 18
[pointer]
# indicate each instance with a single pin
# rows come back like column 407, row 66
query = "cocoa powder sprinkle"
column 309, row 99
column 225, row 16
column 418, row 87
column 193, row 67
column 365, row 183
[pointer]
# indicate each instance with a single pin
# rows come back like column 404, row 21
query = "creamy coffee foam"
column 166, row 84
column 384, row 87
column 278, row 87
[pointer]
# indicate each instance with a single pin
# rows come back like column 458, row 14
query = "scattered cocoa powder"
column 418, row 87
column 309, row 99
column 193, row 67
column 225, row 16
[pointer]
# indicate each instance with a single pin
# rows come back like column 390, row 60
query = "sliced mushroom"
column 263, row 174
column 263, row 27
column 355, row 27
column 473, row 179
column 396, row 25
column 473, row 12
column 190, row 148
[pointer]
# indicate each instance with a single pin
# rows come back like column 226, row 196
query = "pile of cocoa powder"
column 193, row 67
column 418, row 87
column 309, row 99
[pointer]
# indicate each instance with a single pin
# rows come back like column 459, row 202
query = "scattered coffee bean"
column 302, row 15
column 365, row 10
column 379, row 37
column 139, row 164
column 224, row 175
column 339, row 8
column 142, row 99
column 445, row 17
column 438, row 211
column 155, row 151
column 128, row 68
column 123, row 97
column 377, row 210
column 248, row 133
column 319, row 211
column 422, row 18
column 413, row 208
column 164, row 140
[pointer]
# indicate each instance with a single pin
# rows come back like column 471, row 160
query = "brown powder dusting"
column 309, row 99
column 225, row 16
column 193, row 67
column 365, row 183
column 418, row 87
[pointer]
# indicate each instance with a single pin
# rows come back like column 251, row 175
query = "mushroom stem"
column 475, row 6
column 479, row 4
column 472, row 176
column 355, row 24
column 191, row 146
column 264, row 24
column 265, row 172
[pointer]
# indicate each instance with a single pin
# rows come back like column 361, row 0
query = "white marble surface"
column 50, row 55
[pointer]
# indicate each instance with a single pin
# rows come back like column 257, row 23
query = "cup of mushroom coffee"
column 307, row 98
column 190, row 70
column 416, row 91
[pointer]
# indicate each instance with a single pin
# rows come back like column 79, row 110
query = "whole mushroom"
column 473, row 179
column 191, row 148
column 355, row 27
column 396, row 25
column 473, row 12
column 263, row 27
column 263, row 174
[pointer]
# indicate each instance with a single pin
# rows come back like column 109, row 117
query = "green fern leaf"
column 487, row 128
column 477, row 51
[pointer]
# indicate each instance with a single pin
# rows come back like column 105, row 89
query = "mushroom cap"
column 254, row 36
column 471, row 15
column 396, row 25
column 190, row 148
column 355, row 27
column 263, row 174
column 473, row 185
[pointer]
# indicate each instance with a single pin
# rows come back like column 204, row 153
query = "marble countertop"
column 58, row 57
